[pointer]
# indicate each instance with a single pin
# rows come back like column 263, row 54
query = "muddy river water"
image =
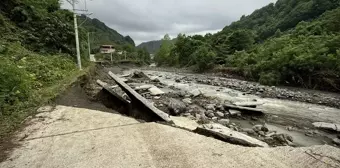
column 291, row 113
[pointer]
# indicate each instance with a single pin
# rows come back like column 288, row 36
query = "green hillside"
column 37, row 57
column 102, row 34
column 290, row 42
column 151, row 46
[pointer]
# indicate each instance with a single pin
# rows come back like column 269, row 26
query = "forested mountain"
column 102, row 34
column 151, row 46
column 281, row 16
column 291, row 42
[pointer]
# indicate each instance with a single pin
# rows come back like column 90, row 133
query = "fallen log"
column 244, row 109
column 139, row 101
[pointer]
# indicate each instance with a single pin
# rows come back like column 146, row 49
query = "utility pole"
column 73, row 3
column 76, row 34
column 88, row 44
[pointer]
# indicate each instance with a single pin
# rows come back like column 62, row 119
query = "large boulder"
column 138, row 74
column 176, row 107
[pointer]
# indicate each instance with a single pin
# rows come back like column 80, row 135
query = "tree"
column 204, row 58
column 240, row 40
column 163, row 54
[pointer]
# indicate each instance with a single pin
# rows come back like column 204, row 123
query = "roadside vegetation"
column 290, row 42
column 36, row 57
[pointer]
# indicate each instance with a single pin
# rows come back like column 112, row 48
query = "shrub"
column 204, row 58
column 269, row 78
column 15, row 84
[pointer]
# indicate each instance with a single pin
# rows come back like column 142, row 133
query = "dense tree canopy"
column 290, row 42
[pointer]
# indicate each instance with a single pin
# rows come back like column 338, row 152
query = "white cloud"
column 146, row 20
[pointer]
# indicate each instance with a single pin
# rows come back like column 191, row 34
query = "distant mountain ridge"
column 151, row 46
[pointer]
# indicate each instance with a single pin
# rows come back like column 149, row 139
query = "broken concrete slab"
column 125, row 75
column 185, row 122
column 244, row 109
column 109, row 89
column 327, row 126
column 250, row 104
column 155, row 91
column 234, row 112
column 107, row 96
column 226, row 134
column 139, row 100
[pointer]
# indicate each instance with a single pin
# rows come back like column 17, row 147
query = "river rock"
column 249, row 131
column 210, row 114
column 336, row 141
column 187, row 100
column 195, row 93
column 138, row 74
column 176, row 107
column 283, row 139
column 220, row 107
column 156, row 80
column 224, row 122
column 264, row 128
column 219, row 114
column 257, row 128
column 226, row 134
column 328, row 126
column 155, row 91
column 210, row 107
column 262, row 133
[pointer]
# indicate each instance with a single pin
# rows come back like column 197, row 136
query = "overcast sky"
column 146, row 20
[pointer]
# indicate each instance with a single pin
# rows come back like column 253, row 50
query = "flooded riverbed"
column 282, row 116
